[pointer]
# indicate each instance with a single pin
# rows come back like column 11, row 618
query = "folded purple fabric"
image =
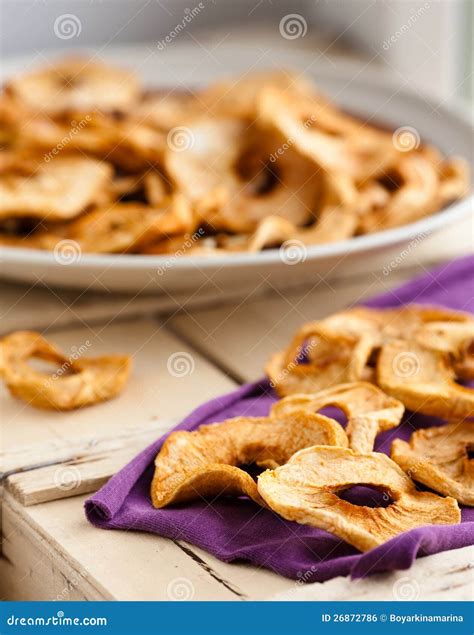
column 238, row 529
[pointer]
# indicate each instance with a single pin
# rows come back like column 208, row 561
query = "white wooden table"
column 52, row 461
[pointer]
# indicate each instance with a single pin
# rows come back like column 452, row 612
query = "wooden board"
column 38, row 307
column 57, row 554
column 162, row 389
column 240, row 338
column 49, row 549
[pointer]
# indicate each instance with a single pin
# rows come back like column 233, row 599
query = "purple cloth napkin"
column 238, row 529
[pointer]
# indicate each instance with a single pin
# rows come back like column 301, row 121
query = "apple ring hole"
column 333, row 412
column 50, row 368
column 366, row 495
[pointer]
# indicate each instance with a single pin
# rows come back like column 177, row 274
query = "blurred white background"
column 427, row 44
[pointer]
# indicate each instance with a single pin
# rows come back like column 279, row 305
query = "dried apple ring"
column 206, row 462
column 368, row 409
column 455, row 338
column 423, row 380
column 306, row 490
column 122, row 227
column 439, row 457
column 386, row 324
column 417, row 196
column 331, row 139
column 332, row 357
column 77, row 382
column 238, row 97
column 78, row 85
column 226, row 171
column 57, row 190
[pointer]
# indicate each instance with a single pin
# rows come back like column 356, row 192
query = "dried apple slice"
column 423, row 380
column 77, row 382
column 225, row 169
column 417, row 195
column 306, row 490
column 386, row 324
column 238, row 97
column 126, row 227
column 440, row 458
column 57, row 190
column 206, row 462
column 455, row 338
column 319, row 358
column 368, row 409
column 332, row 140
column 78, row 85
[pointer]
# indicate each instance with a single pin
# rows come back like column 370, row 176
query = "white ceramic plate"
column 364, row 91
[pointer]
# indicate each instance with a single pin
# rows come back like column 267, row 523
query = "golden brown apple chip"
column 307, row 490
column 206, row 462
column 123, row 227
column 368, row 410
column 76, row 382
column 265, row 160
column 77, row 85
column 455, row 338
column 319, row 358
column 226, row 170
column 386, row 324
column 59, row 189
column 423, row 380
column 334, row 141
column 441, row 459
